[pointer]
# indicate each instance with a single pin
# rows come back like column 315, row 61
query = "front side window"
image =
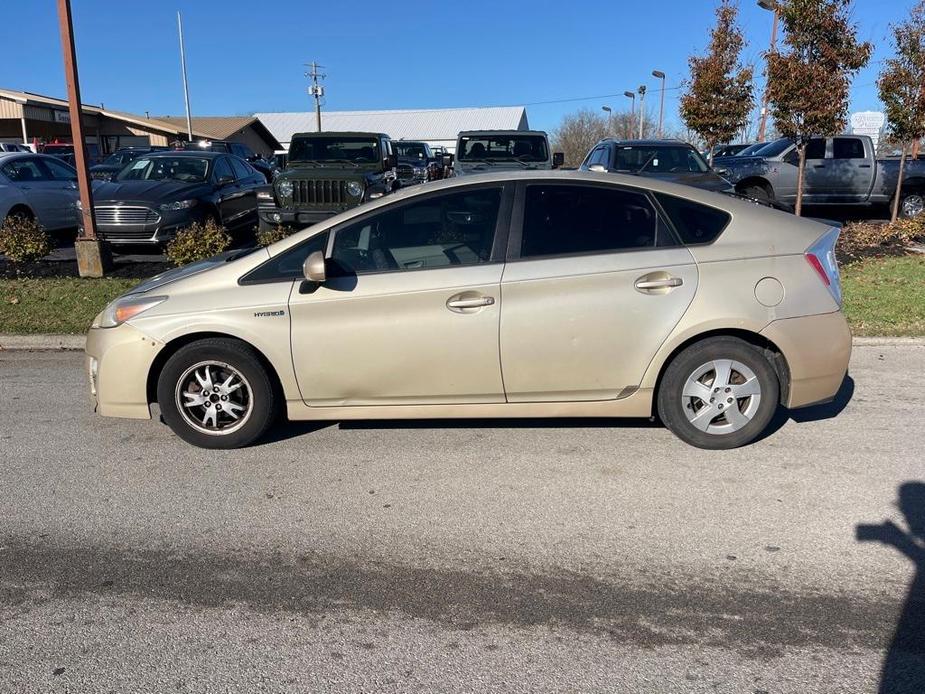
column 241, row 168
column 287, row 266
column 222, row 170
column 357, row 150
column 60, row 171
column 185, row 169
column 575, row 219
column 441, row 231
column 815, row 148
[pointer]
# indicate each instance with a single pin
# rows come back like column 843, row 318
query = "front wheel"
column 216, row 393
column 719, row 393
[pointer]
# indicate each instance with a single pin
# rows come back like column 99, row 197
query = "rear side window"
column 815, row 149
column 847, row 148
column 695, row 223
column 575, row 219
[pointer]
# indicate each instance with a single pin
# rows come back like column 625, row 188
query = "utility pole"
column 92, row 255
column 763, row 123
column 189, row 120
column 316, row 91
column 642, row 109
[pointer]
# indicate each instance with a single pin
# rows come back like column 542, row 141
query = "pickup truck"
column 841, row 170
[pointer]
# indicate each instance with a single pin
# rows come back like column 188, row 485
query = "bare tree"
column 902, row 89
column 809, row 81
column 720, row 92
column 577, row 133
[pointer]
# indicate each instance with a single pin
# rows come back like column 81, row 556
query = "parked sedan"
column 594, row 295
column 160, row 193
column 116, row 161
column 40, row 187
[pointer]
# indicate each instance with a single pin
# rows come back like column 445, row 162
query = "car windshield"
column 185, row 169
column 360, row 150
column 502, row 147
column 119, row 158
column 751, row 149
column 659, row 159
column 772, row 149
column 411, row 150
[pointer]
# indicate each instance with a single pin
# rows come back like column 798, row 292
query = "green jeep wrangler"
column 327, row 173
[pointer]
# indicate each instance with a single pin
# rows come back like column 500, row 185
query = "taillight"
column 821, row 257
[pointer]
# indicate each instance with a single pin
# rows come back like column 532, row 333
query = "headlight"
column 126, row 308
column 354, row 188
column 419, row 171
column 284, row 188
column 178, row 205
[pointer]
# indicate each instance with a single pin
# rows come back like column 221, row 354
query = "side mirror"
column 558, row 159
column 226, row 180
column 722, row 172
column 314, row 267
column 391, row 161
column 598, row 168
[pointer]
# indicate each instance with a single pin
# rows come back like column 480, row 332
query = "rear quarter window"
column 695, row 223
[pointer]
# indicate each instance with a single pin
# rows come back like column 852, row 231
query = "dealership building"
column 27, row 117
column 435, row 126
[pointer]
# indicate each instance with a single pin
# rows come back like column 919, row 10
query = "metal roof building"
column 434, row 126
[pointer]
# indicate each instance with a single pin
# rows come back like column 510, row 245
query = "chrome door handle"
column 475, row 302
column 659, row 284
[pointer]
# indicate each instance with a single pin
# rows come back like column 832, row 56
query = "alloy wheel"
column 214, row 397
column 721, row 396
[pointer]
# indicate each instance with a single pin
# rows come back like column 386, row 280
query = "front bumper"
column 118, row 361
column 160, row 229
column 817, row 350
column 290, row 217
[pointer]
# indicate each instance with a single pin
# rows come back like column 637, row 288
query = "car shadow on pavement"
column 503, row 423
column 904, row 665
column 814, row 413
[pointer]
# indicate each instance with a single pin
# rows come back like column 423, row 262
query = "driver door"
column 409, row 312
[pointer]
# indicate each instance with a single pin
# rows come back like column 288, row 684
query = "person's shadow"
column 904, row 664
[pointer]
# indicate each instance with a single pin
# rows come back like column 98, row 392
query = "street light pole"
column 661, row 104
column 763, row 123
column 642, row 110
column 189, row 120
column 632, row 96
column 609, row 112
column 92, row 256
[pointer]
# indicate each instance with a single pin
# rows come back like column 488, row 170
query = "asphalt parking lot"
column 462, row 556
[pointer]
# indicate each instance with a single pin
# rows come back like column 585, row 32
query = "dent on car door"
column 409, row 311
column 594, row 285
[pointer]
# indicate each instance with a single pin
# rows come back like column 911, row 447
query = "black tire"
column 673, row 410
column 756, row 192
column 261, row 399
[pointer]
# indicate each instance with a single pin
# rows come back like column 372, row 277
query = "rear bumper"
column 117, row 364
column 817, row 350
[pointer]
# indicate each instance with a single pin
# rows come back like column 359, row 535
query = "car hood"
column 200, row 266
column 467, row 167
column 149, row 191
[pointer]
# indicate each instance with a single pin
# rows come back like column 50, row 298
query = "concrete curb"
column 27, row 343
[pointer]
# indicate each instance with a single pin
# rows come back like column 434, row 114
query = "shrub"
column 268, row 236
column 24, row 240
column 197, row 242
column 865, row 239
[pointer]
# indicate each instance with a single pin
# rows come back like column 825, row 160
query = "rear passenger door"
column 594, row 284
column 43, row 195
column 851, row 170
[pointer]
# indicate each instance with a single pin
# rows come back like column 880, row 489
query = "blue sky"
column 245, row 56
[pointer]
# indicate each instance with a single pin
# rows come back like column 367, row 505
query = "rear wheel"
column 20, row 213
column 719, row 393
column 216, row 393
column 911, row 203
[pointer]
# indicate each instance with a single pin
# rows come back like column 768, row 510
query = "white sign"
column 62, row 116
column 868, row 123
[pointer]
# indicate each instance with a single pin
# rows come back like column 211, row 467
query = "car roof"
column 647, row 143
column 197, row 154
column 339, row 133
column 470, row 133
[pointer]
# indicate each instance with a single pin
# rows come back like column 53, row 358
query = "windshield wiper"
column 647, row 162
column 345, row 161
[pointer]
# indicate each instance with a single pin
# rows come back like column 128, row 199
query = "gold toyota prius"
column 517, row 294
